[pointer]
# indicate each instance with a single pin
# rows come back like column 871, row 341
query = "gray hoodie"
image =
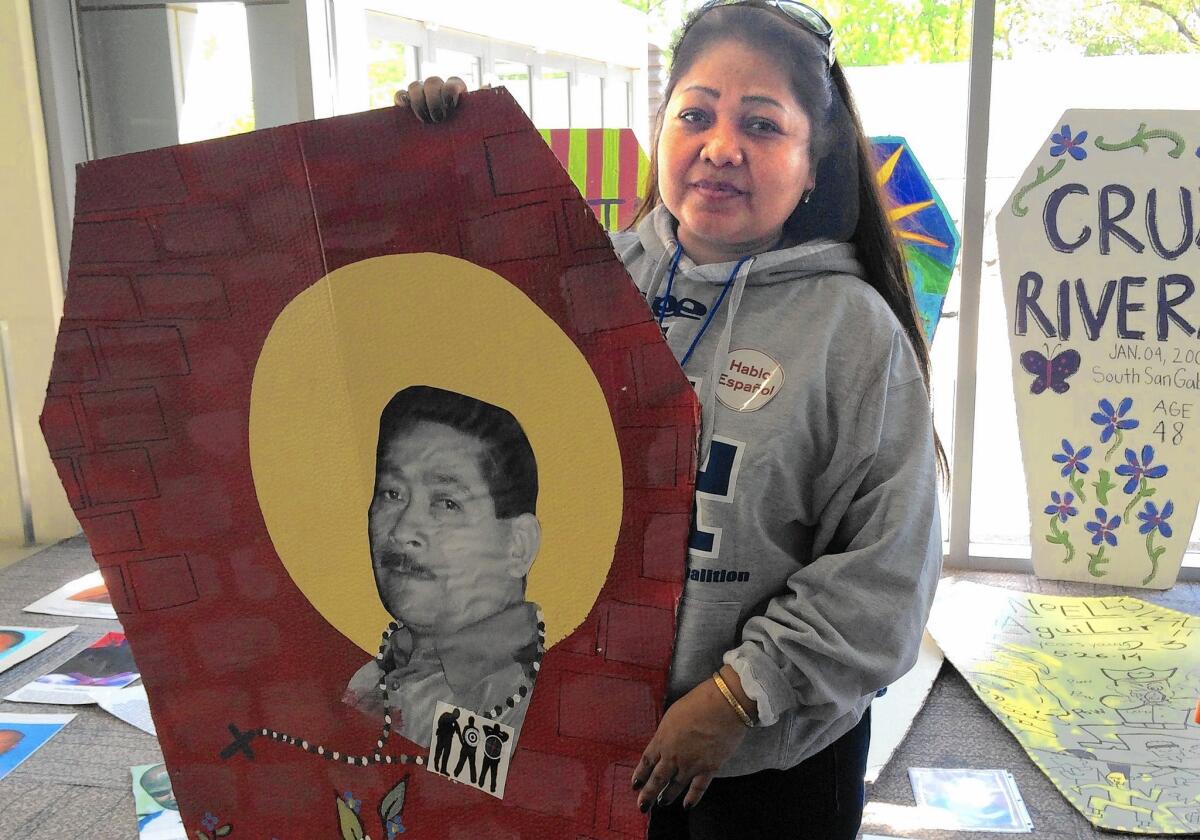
column 816, row 548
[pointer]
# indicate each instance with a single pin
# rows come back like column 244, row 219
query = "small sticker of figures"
column 470, row 748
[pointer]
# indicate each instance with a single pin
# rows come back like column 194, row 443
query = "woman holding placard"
column 765, row 253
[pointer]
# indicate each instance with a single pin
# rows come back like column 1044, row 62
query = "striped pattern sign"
column 607, row 166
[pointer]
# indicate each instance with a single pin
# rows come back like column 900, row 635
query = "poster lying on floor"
column 157, row 810
column 360, row 417
column 20, row 643
column 1100, row 258
column 85, row 597
column 951, row 799
column 1099, row 692
column 106, row 663
column 23, row 735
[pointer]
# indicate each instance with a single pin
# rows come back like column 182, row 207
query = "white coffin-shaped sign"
column 1100, row 264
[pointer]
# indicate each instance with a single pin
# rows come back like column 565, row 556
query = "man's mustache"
column 403, row 562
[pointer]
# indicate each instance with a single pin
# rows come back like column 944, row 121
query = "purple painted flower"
column 1061, row 505
column 1102, row 529
column 1064, row 142
column 1113, row 419
column 1135, row 469
column 1155, row 520
column 209, row 821
column 394, row 828
column 355, row 804
column 1071, row 459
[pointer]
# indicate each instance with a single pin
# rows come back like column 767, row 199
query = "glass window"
column 454, row 63
column 515, row 76
column 587, row 106
column 876, row 68
column 1046, row 63
column 214, row 92
column 616, row 103
column 552, row 99
column 391, row 66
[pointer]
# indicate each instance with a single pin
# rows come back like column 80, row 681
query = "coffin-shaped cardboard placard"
column 608, row 167
column 921, row 223
column 1099, row 692
column 388, row 472
column 1100, row 256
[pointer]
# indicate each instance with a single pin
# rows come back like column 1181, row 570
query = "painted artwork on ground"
column 1099, row 691
column 1099, row 256
column 157, row 810
column 922, row 224
column 20, row 643
column 106, row 663
column 365, row 424
column 953, row 799
column 23, row 735
column 85, row 597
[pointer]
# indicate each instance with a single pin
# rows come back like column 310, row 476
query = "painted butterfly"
column 1050, row 372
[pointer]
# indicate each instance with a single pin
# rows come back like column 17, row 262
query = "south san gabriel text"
column 1124, row 225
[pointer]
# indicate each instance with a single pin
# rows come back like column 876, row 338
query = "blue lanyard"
column 662, row 308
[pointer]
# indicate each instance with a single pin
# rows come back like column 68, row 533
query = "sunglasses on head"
column 795, row 11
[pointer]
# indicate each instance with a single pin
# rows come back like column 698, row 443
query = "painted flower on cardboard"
column 1155, row 520
column 1135, row 468
column 1071, row 458
column 1064, row 142
column 1113, row 420
column 1102, row 529
column 1061, row 506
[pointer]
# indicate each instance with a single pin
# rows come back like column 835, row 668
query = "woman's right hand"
column 432, row 100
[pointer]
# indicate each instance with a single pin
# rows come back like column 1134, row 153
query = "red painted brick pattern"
column 181, row 261
column 162, row 582
column 74, row 357
column 184, row 296
column 121, row 476
column 119, row 241
column 112, row 533
column 143, row 352
column 131, row 415
column 59, row 426
column 102, row 299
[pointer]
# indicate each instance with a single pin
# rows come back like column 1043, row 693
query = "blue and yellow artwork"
column 22, row 735
column 922, row 224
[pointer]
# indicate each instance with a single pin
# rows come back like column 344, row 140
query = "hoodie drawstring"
column 656, row 282
column 736, row 280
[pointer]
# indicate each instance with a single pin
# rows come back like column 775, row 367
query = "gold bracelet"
column 733, row 701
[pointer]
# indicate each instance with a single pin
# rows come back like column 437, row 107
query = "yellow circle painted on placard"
column 343, row 347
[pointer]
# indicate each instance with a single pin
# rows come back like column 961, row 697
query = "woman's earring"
column 806, row 196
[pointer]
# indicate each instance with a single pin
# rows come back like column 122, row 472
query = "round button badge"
column 748, row 380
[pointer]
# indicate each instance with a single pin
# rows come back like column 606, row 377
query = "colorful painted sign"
column 362, row 416
column 106, row 663
column 19, row 643
column 921, row 223
column 1098, row 691
column 607, row 166
column 157, row 810
column 1099, row 255
column 23, row 735
column 85, row 597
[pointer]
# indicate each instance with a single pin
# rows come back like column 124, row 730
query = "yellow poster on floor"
column 1099, row 691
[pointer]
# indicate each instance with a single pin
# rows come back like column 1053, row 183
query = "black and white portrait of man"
column 453, row 532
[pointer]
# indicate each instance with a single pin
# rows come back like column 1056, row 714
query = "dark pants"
column 819, row 799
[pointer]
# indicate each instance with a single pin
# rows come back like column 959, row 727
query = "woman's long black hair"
column 839, row 146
